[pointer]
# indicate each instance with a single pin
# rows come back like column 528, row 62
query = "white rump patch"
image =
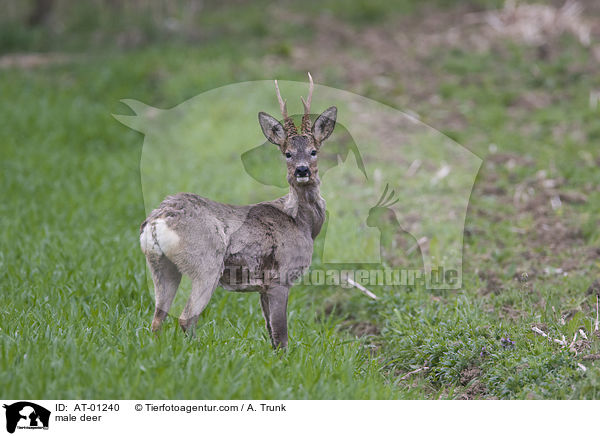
column 158, row 238
column 146, row 242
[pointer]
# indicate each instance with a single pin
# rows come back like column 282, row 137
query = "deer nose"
column 302, row 171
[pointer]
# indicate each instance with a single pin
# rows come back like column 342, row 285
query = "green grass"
column 75, row 307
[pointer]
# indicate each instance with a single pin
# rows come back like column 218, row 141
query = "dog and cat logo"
column 26, row 415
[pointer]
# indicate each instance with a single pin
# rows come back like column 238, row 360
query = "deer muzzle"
column 302, row 174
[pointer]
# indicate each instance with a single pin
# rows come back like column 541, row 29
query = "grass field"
column 75, row 308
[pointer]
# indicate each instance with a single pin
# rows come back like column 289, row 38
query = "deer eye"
column 288, row 155
column 313, row 153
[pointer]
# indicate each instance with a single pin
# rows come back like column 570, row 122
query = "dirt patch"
column 509, row 312
column 568, row 315
column 493, row 284
column 541, row 197
column 468, row 374
column 368, row 331
column 493, row 190
column 591, row 357
column 28, row 61
column 364, row 328
column 508, row 160
column 551, row 245
column 377, row 54
column 573, row 197
column 557, row 236
column 594, row 288
column 394, row 57
column 536, row 24
column 475, row 390
column 333, row 309
column 474, row 387
column 531, row 100
column 580, row 345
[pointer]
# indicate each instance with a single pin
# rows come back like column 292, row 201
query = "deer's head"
column 301, row 150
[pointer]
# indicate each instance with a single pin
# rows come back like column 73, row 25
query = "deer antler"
column 306, row 125
column 282, row 102
column 288, row 124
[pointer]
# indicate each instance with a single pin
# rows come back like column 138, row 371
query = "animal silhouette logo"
column 397, row 246
column 209, row 145
column 26, row 415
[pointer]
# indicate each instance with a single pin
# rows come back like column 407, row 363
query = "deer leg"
column 202, row 290
column 166, row 278
column 264, row 304
column 277, row 301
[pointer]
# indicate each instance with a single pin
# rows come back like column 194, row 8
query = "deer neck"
column 305, row 204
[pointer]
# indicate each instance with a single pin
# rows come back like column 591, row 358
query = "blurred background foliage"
column 70, row 25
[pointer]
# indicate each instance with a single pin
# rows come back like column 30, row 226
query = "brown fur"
column 217, row 244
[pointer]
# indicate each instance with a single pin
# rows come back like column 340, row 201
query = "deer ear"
column 325, row 124
column 272, row 129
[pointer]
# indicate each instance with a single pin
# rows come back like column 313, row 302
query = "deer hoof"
column 187, row 325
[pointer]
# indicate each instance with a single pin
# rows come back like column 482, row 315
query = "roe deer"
column 272, row 241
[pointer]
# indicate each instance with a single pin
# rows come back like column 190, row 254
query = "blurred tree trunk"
column 40, row 12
